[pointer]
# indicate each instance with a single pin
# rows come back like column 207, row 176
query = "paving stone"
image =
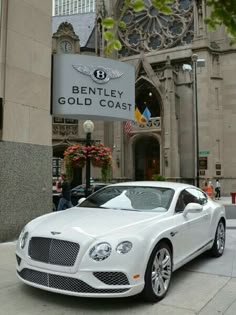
column 193, row 290
column 221, row 301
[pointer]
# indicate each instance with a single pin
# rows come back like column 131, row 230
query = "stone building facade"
column 161, row 48
column 25, row 128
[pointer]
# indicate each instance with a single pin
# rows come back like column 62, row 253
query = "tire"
column 218, row 247
column 158, row 273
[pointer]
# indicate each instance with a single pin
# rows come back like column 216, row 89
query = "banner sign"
column 87, row 87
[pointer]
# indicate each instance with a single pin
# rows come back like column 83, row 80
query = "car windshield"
column 139, row 198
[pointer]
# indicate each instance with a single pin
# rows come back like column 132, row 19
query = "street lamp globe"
column 194, row 57
column 88, row 126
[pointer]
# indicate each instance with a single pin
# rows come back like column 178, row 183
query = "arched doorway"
column 147, row 157
column 147, row 97
column 147, row 144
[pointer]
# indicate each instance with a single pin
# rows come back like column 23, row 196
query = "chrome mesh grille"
column 63, row 283
column 53, row 251
column 112, row 278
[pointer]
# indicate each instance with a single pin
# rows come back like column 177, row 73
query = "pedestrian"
column 218, row 189
column 204, row 185
column 58, row 182
column 65, row 200
column 210, row 188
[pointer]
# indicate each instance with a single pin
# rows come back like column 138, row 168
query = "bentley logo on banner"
column 99, row 74
column 88, row 87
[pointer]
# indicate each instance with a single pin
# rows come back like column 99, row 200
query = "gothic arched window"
column 150, row 30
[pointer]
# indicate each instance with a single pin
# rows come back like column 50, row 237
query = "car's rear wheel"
column 219, row 242
column 158, row 273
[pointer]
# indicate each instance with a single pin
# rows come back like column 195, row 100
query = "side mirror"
column 81, row 200
column 192, row 207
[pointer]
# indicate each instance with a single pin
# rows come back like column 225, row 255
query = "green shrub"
column 158, row 177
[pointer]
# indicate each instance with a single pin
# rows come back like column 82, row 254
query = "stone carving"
column 65, row 29
column 153, row 124
column 151, row 30
column 64, row 130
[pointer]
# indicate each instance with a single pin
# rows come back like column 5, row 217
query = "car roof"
column 164, row 184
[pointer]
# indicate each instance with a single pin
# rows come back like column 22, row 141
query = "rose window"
column 151, row 30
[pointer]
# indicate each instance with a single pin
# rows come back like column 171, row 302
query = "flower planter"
column 96, row 163
column 76, row 155
column 78, row 164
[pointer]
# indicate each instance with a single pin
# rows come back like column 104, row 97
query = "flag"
column 137, row 115
column 147, row 114
column 143, row 119
column 128, row 127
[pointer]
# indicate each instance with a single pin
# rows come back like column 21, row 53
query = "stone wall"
column 26, row 185
column 26, row 137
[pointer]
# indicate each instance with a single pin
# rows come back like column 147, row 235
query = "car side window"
column 180, row 205
column 202, row 197
column 187, row 196
column 193, row 195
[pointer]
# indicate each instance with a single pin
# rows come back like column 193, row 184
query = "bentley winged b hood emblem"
column 55, row 233
column 98, row 74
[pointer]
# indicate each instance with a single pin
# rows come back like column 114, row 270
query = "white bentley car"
column 123, row 240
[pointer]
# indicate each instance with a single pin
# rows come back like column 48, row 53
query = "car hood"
column 93, row 222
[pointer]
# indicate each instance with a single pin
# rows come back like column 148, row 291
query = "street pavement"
column 205, row 286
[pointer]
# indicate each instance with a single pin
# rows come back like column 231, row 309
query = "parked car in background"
column 77, row 193
column 122, row 240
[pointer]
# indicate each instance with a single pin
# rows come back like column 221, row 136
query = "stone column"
column 171, row 162
column 200, row 27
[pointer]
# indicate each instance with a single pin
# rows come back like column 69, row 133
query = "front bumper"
column 87, row 282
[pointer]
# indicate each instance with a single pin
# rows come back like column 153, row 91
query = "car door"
column 192, row 231
column 199, row 223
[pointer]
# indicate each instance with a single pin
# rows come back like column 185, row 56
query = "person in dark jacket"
column 65, row 200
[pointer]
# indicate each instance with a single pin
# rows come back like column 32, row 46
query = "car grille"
column 112, row 278
column 62, row 283
column 53, row 251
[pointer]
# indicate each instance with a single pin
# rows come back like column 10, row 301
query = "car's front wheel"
column 219, row 242
column 158, row 273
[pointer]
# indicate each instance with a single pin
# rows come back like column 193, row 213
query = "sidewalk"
column 230, row 210
column 225, row 200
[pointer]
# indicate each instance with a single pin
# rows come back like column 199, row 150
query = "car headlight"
column 124, row 247
column 23, row 238
column 100, row 251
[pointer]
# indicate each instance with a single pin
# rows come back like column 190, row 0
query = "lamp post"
column 88, row 127
column 195, row 102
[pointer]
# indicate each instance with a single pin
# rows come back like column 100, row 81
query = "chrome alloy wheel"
column 220, row 237
column 161, row 271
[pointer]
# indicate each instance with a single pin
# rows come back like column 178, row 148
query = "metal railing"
column 62, row 130
column 153, row 124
